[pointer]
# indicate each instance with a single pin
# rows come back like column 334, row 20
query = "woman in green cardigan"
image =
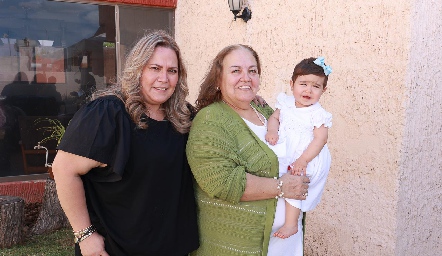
column 235, row 171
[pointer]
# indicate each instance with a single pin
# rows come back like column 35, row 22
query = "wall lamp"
column 237, row 6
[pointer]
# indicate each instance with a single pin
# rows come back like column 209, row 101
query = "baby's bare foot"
column 286, row 231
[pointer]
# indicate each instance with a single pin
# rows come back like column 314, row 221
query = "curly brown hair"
column 209, row 89
column 128, row 88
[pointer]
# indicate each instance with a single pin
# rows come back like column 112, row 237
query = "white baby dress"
column 295, row 134
column 296, row 130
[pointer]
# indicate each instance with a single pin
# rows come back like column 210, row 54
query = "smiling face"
column 239, row 78
column 159, row 77
column 307, row 90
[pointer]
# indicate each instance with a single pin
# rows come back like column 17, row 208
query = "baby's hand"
column 272, row 137
column 299, row 167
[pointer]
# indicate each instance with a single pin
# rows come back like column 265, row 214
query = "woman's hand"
column 93, row 246
column 295, row 187
column 259, row 101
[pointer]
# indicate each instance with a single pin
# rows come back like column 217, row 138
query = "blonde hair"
column 129, row 87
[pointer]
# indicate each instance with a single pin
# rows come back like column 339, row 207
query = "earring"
column 217, row 88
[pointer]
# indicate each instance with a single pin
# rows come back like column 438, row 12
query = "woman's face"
column 159, row 77
column 240, row 78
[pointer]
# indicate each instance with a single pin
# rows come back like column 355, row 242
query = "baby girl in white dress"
column 302, row 124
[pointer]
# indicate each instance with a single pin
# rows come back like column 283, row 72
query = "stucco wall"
column 382, row 120
column 419, row 222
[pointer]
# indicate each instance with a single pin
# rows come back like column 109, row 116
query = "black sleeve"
column 100, row 131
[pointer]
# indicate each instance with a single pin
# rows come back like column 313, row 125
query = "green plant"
column 54, row 130
column 108, row 44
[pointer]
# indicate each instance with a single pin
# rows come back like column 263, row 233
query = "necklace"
column 233, row 106
column 254, row 109
column 257, row 114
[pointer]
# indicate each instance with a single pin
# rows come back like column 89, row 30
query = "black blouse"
column 143, row 201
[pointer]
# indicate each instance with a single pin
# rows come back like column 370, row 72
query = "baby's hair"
column 307, row 67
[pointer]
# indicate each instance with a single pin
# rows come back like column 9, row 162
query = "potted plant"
column 54, row 130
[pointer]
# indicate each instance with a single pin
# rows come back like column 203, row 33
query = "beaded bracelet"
column 83, row 234
column 279, row 187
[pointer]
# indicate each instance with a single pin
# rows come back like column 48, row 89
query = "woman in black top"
column 121, row 170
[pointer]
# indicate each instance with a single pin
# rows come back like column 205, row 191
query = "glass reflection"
column 53, row 55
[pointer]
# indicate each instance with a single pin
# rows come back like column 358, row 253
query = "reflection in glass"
column 51, row 60
column 53, row 56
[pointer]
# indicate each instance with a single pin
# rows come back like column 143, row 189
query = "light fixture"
column 238, row 5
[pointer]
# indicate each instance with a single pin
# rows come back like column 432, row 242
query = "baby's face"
column 307, row 90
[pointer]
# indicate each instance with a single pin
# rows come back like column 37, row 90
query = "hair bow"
column 320, row 62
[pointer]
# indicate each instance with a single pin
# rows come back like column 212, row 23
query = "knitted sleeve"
column 212, row 157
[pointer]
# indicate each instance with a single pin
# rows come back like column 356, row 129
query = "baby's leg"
column 290, row 226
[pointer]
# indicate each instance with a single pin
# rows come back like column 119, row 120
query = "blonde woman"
column 121, row 170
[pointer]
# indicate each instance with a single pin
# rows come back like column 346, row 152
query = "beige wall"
column 384, row 194
column 420, row 164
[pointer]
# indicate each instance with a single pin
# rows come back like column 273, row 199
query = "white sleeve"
column 322, row 117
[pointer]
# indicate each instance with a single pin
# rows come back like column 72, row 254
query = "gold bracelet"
column 83, row 234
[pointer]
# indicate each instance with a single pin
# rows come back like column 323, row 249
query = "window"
column 53, row 55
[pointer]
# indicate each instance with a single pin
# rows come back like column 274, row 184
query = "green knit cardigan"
column 221, row 149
